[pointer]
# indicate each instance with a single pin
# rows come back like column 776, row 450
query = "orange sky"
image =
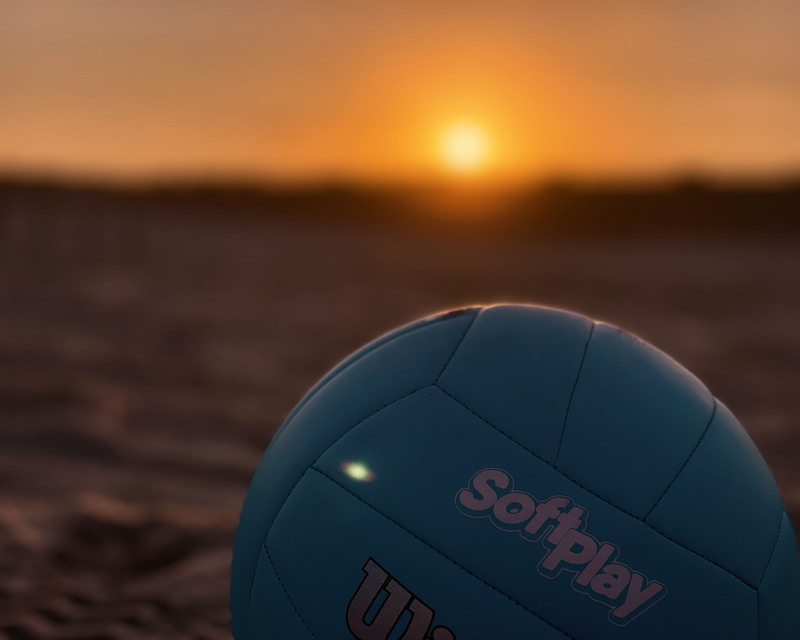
column 299, row 89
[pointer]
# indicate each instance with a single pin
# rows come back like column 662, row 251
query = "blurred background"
column 204, row 206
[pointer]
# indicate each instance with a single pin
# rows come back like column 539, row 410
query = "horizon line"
column 199, row 180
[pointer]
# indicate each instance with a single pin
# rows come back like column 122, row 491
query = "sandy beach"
column 145, row 362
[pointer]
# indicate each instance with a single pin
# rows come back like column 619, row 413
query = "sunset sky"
column 369, row 90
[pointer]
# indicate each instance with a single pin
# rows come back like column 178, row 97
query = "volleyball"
column 513, row 472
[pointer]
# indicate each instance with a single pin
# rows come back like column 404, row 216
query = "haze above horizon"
column 369, row 91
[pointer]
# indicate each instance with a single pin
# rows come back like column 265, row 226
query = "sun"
column 464, row 148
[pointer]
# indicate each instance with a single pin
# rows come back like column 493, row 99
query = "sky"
column 302, row 90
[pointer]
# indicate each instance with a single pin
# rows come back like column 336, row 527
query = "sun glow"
column 464, row 148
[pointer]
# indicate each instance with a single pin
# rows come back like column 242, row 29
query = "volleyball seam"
column 764, row 572
column 285, row 592
column 458, row 344
column 572, row 393
column 772, row 553
column 685, row 462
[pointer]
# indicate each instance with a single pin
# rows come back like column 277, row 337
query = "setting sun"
column 464, row 147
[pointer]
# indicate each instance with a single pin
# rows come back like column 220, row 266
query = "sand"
column 145, row 362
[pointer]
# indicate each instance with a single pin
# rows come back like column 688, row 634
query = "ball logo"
column 396, row 602
column 560, row 526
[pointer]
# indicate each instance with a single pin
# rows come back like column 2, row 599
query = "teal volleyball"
column 513, row 472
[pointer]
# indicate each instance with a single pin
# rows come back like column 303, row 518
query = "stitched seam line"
column 758, row 613
column 458, row 344
column 685, row 462
column 444, row 555
column 285, row 592
column 283, row 503
column 572, row 393
column 599, row 497
column 772, row 553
